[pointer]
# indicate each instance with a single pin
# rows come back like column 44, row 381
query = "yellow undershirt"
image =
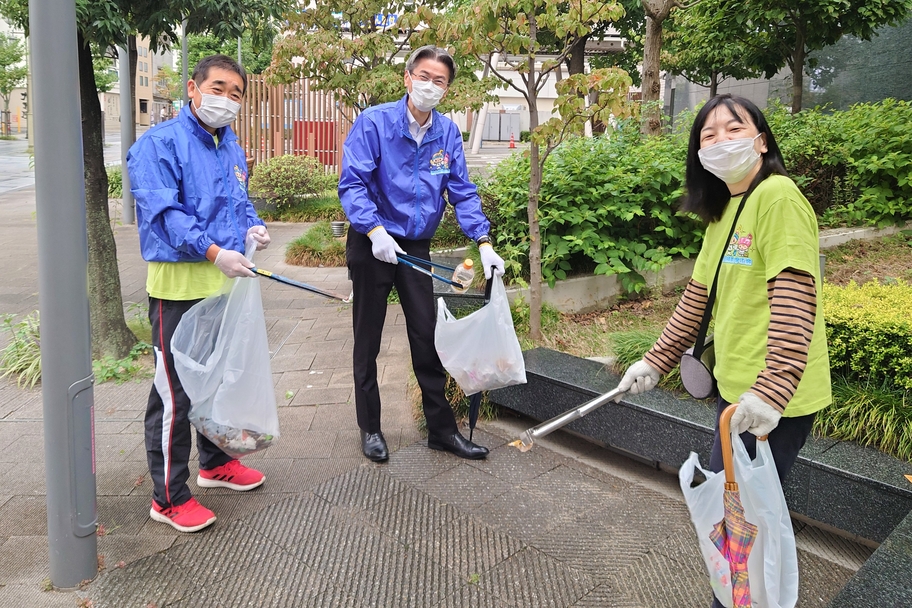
column 183, row 280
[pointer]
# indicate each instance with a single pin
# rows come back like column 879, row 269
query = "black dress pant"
column 372, row 281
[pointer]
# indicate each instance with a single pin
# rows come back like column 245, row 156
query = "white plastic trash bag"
column 221, row 354
column 480, row 351
column 772, row 564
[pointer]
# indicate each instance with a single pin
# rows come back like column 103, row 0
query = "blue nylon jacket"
column 388, row 180
column 189, row 194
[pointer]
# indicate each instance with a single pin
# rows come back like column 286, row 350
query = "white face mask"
column 217, row 111
column 732, row 160
column 425, row 95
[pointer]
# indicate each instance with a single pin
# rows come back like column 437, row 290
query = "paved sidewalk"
column 567, row 524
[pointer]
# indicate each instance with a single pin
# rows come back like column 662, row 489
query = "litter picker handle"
column 527, row 438
column 725, row 438
column 429, row 273
column 283, row 279
column 488, row 286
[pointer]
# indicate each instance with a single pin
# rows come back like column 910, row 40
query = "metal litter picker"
column 528, row 437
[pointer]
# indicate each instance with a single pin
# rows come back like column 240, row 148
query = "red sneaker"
column 232, row 475
column 188, row 517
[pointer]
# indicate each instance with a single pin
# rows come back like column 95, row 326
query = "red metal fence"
column 292, row 119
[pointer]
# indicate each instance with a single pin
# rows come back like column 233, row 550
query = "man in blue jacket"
column 398, row 161
column 189, row 178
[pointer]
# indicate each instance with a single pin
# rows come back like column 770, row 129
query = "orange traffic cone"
column 512, row 142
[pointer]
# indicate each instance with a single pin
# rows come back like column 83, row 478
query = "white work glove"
column 384, row 247
column 489, row 258
column 260, row 235
column 755, row 415
column 233, row 264
column 639, row 378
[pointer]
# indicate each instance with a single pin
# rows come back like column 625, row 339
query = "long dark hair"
column 706, row 195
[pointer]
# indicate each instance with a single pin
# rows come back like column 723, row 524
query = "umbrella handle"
column 725, row 437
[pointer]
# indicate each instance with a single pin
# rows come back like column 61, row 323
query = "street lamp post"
column 66, row 360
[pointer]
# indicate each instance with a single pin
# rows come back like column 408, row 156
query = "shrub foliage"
column 285, row 179
column 869, row 332
column 606, row 206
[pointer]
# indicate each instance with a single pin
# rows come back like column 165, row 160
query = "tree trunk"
column 110, row 334
column 713, row 84
column 535, row 179
column 652, row 50
column 798, row 72
column 576, row 59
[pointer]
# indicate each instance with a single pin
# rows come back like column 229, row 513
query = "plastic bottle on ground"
column 464, row 274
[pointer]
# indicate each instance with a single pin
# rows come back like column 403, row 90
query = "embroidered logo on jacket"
column 440, row 163
column 241, row 177
column 738, row 251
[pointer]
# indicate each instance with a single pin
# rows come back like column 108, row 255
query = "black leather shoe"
column 374, row 446
column 457, row 444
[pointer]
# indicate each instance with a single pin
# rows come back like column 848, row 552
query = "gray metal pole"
column 127, row 132
column 184, row 77
column 66, row 361
column 239, row 51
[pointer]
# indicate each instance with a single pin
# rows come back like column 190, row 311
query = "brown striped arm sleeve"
column 681, row 331
column 793, row 307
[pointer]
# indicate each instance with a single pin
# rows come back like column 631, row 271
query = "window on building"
column 143, row 106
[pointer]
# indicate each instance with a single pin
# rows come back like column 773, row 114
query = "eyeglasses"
column 425, row 77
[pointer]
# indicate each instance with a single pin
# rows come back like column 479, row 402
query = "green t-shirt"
column 183, row 280
column 776, row 230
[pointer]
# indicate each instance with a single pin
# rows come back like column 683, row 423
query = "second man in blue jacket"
column 398, row 161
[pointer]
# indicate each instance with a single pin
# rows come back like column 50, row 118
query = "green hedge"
column 869, row 332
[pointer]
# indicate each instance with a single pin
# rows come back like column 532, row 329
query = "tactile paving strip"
column 468, row 547
column 531, row 578
column 408, row 516
column 359, row 489
column 680, row 586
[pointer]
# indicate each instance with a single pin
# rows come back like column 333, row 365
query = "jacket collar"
column 403, row 120
column 191, row 123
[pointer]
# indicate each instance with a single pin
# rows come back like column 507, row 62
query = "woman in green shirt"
column 769, row 337
column 770, row 342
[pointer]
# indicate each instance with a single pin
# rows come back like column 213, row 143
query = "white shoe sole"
column 218, row 483
column 166, row 520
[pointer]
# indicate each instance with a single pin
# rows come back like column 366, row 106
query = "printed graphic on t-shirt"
column 738, row 251
column 440, row 163
column 241, row 177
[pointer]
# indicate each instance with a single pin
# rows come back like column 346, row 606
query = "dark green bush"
column 288, row 178
column 607, row 206
column 525, row 136
column 465, row 135
column 853, row 166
